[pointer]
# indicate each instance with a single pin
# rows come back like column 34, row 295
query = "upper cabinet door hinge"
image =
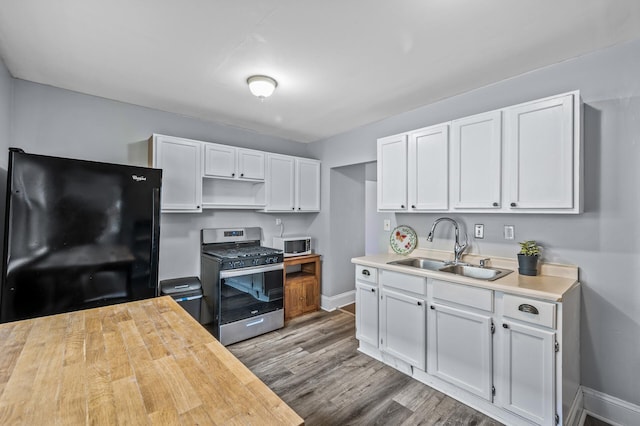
column 493, row 390
column 557, row 346
column 557, row 419
column 493, row 328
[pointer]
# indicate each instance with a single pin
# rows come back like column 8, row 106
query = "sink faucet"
column 457, row 248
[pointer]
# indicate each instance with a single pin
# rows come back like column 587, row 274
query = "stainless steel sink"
column 420, row 262
column 477, row 272
column 488, row 274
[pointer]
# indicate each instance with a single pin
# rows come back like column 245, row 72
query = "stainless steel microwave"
column 293, row 246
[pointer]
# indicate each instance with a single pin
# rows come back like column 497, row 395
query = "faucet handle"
column 483, row 262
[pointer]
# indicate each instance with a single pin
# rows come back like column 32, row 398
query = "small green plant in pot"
column 528, row 258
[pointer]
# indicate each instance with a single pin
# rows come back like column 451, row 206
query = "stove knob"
column 256, row 261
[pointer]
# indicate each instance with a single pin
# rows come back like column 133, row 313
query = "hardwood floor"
column 314, row 366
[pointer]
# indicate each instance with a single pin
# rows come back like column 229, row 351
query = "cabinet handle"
column 373, row 290
column 495, row 204
column 505, row 325
column 233, row 174
column 402, row 206
column 366, row 272
column 293, row 208
column 530, row 309
column 432, row 307
column 299, row 208
column 241, row 174
column 419, row 303
column 513, row 204
column 412, row 206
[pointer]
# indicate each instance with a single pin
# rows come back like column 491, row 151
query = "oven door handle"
column 248, row 271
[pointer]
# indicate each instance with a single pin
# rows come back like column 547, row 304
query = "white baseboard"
column 609, row 408
column 331, row 303
column 574, row 416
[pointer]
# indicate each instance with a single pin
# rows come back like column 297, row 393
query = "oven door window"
column 249, row 295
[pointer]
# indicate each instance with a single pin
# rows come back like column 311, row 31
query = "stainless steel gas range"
column 242, row 284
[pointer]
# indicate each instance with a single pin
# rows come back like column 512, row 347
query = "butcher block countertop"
column 144, row 362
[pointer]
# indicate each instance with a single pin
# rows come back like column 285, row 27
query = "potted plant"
column 528, row 258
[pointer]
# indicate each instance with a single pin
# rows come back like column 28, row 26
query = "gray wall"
column 347, row 241
column 5, row 111
column 603, row 242
column 52, row 121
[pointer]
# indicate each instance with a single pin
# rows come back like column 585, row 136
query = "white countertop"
column 554, row 282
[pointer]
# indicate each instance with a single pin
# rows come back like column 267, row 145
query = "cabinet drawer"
column 404, row 282
column 529, row 310
column 366, row 274
column 475, row 297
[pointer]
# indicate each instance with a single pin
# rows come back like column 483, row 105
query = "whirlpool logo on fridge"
column 138, row 178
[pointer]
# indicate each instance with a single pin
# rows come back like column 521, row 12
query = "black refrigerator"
column 78, row 234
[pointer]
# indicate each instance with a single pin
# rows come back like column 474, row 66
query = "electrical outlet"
column 278, row 221
column 509, row 232
column 387, row 225
column 478, row 231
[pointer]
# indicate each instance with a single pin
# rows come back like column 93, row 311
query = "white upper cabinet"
column 525, row 158
column 307, row 185
column 392, row 173
column 476, row 151
column 428, row 169
column 223, row 161
column 180, row 161
column 543, row 155
column 292, row 184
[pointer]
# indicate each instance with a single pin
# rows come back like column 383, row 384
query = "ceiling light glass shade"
column 261, row 85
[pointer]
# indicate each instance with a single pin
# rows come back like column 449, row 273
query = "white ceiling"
column 339, row 64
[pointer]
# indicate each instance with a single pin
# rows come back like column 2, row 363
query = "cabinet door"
column 460, row 349
column 428, row 169
column 307, row 185
column 180, row 161
column 528, row 372
column 403, row 327
column 293, row 299
column 541, row 158
column 311, row 295
column 280, row 183
column 476, row 161
column 392, row 173
column 250, row 164
column 219, row 160
column 367, row 313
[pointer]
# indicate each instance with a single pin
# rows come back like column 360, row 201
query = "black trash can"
column 186, row 291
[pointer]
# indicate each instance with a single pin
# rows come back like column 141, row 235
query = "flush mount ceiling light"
column 262, row 86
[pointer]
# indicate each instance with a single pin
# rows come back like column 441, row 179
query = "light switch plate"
column 509, row 232
column 387, row 225
column 478, row 231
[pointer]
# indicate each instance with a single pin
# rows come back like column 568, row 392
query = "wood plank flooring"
column 314, row 366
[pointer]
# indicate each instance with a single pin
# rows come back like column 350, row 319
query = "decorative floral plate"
column 403, row 239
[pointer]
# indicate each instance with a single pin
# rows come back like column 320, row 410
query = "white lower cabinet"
column 367, row 313
column 460, row 348
column 527, row 371
column 515, row 358
column 403, row 327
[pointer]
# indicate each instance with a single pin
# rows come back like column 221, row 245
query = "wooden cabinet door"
column 528, row 372
column 311, row 295
column 392, row 173
column 403, row 327
column 280, row 183
column 180, row 161
column 250, row 164
column 293, row 296
column 219, row 160
column 367, row 313
column 307, row 185
column 540, row 155
column 476, row 152
column 428, row 169
column 460, row 349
